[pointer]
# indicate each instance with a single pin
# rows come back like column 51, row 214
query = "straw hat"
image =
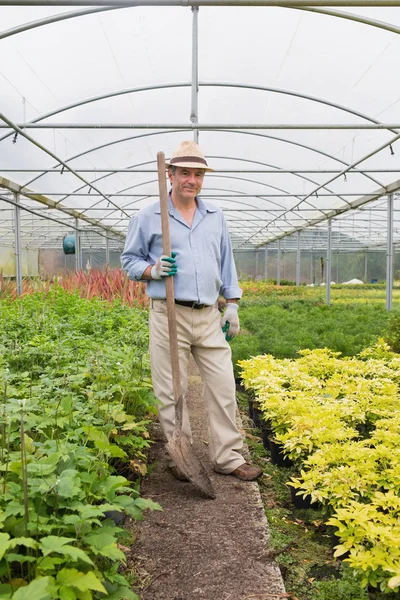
column 188, row 154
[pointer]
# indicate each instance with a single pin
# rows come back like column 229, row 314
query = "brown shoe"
column 247, row 472
column 178, row 474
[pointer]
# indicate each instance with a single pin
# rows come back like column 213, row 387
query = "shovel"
column 179, row 447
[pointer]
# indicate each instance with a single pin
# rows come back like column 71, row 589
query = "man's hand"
column 230, row 321
column 165, row 267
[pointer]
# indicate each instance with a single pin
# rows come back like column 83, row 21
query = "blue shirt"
column 204, row 258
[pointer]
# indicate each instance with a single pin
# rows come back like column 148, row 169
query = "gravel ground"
column 197, row 548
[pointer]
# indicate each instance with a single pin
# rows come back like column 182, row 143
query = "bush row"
column 338, row 420
column 76, row 398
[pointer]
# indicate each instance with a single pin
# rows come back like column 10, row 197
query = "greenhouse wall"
column 54, row 262
column 369, row 267
column 30, row 261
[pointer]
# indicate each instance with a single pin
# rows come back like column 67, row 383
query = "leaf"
column 112, row 552
column 88, row 512
column 5, row 588
column 5, row 591
column 134, row 512
column 79, row 580
column 123, row 593
column 4, row 544
column 23, row 541
column 69, row 483
column 60, row 545
column 99, row 540
column 84, row 595
column 49, row 563
column 66, row 404
column 11, row 557
column 38, row 589
column 138, row 466
column 340, row 550
column 116, row 451
column 44, row 466
column 75, row 554
column 394, row 582
column 98, row 437
column 29, row 445
column 52, row 543
column 66, row 593
column 3, row 568
column 144, row 503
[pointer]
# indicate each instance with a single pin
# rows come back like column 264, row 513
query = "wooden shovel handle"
column 169, row 284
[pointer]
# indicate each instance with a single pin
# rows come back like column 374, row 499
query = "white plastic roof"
column 298, row 111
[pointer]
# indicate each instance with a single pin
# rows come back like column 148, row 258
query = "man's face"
column 186, row 182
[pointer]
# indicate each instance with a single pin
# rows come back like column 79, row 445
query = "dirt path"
column 201, row 549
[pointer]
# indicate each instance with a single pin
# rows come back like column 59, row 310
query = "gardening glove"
column 165, row 266
column 230, row 321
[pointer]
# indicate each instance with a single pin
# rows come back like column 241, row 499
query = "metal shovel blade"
column 181, row 451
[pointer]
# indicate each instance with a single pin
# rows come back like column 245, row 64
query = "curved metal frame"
column 177, row 131
column 301, row 5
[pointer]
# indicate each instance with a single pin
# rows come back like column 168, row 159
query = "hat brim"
column 189, row 165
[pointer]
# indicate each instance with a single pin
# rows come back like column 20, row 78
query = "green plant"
column 76, row 398
column 371, row 534
column 346, row 587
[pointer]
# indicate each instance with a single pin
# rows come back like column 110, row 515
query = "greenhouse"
column 295, row 105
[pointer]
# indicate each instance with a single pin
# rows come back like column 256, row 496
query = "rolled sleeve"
column 134, row 258
column 231, row 292
column 230, row 287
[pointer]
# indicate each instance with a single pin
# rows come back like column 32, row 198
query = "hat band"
column 188, row 159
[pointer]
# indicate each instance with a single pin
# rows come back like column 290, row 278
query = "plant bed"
column 302, row 541
column 76, row 404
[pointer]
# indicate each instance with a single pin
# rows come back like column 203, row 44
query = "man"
column 202, row 266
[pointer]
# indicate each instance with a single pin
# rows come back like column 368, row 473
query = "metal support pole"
column 337, row 266
column 278, row 264
column 195, row 73
column 366, row 266
column 311, row 266
column 107, row 251
column 266, row 263
column 18, row 254
column 389, row 253
column 298, row 260
column 256, row 269
column 78, row 255
column 328, row 269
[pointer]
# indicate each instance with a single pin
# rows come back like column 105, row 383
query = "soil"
column 198, row 548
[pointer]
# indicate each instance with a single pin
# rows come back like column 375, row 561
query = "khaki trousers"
column 199, row 333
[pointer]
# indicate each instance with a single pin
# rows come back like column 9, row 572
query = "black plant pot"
column 257, row 416
column 267, row 432
column 116, row 516
column 336, row 541
column 364, row 430
column 299, row 501
column 277, row 456
column 251, row 409
column 265, row 438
